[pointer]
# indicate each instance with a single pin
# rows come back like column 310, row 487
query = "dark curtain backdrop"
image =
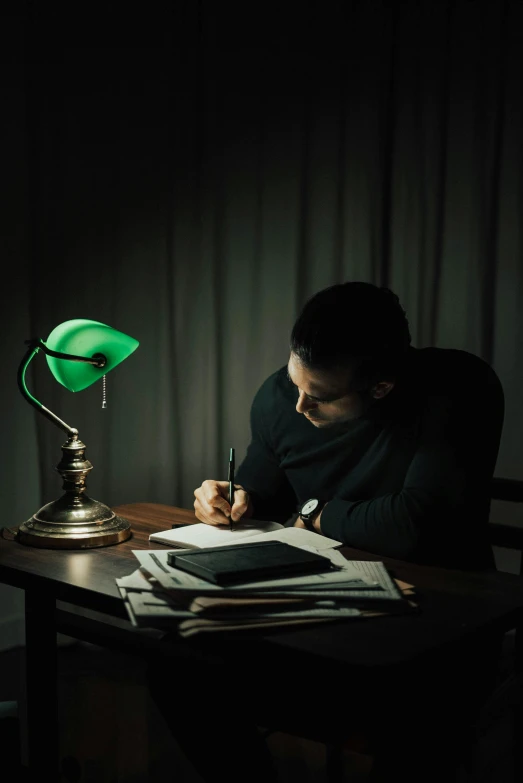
column 191, row 172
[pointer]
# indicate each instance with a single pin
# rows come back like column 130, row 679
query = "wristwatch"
column 309, row 511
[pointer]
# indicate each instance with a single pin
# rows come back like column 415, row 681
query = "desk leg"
column 41, row 686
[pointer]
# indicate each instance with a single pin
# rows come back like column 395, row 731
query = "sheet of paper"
column 339, row 612
column 209, row 604
column 376, row 571
column 127, row 606
column 297, row 536
column 405, row 587
column 192, row 627
column 146, row 606
column 136, row 581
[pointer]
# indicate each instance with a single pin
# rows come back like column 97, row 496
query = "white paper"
column 201, row 535
column 375, row 570
column 298, row 536
column 145, row 605
column 291, row 614
column 136, row 581
column 198, row 625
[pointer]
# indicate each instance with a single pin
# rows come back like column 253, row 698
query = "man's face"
column 325, row 397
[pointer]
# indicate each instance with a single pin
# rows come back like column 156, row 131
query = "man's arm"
column 438, row 507
column 260, row 474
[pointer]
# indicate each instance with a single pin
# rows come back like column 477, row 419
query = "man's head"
column 347, row 347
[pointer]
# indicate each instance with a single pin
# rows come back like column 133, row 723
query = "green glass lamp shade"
column 82, row 337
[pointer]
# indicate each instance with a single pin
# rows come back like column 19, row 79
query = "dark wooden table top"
column 454, row 605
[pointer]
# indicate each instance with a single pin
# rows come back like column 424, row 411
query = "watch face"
column 309, row 506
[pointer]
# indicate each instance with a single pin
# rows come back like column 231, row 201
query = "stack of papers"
column 159, row 596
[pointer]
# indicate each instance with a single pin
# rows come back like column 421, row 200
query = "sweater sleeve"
column 433, row 510
column 260, row 474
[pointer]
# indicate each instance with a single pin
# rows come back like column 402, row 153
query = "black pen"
column 231, row 484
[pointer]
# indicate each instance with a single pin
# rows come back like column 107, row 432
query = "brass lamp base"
column 83, row 524
column 88, row 524
column 74, row 521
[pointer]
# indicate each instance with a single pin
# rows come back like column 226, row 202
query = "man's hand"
column 212, row 506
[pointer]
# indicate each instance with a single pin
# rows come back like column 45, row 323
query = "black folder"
column 237, row 563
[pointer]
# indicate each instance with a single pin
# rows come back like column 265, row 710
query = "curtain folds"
column 192, row 187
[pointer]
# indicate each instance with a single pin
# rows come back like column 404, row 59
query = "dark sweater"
column 408, row 480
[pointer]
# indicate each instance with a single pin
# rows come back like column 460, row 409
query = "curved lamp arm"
column 35, row 345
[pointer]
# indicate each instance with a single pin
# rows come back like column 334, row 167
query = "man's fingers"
column 215, row 493
column 209, row 514
column 241, row 504
column 211, row 503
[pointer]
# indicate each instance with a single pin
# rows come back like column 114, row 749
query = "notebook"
column 249, row 562
column 200, row 535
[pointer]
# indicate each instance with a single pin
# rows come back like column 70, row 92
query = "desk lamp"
column 78, row 353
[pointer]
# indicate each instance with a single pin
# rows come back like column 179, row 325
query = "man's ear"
column 381, row 389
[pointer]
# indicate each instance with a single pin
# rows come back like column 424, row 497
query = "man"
column 396, row 445
column 384, row 447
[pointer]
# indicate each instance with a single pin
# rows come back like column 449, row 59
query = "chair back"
column 474, row 409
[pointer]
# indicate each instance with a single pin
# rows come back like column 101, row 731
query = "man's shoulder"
column 453, row 372
column 273, row 400
column 452, row 361
column 273, row 386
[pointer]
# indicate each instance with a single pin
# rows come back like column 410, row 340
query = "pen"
column 231, row 483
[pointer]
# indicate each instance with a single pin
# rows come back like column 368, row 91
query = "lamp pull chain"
column 104, row 391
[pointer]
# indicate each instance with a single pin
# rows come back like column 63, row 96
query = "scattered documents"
column 344, row 581
column 160, row 596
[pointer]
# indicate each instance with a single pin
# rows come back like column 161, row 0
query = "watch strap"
column 309, row 523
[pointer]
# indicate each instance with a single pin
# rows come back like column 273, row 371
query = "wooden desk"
column 456, row 608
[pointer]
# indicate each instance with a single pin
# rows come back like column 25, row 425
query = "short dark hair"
column 356, row 325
